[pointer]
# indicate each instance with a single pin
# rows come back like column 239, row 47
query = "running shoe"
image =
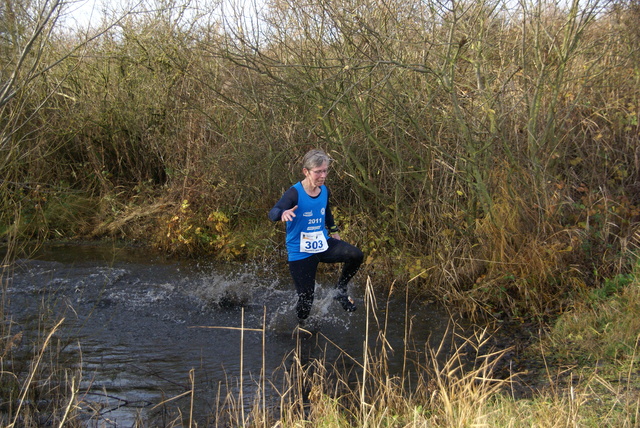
column 347, row 302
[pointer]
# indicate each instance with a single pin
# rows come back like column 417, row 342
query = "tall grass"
column 465, row 380
column 44, row 392
column 460, row 382
column 448, row 387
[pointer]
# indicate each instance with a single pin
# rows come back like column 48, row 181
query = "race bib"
column 313, row 242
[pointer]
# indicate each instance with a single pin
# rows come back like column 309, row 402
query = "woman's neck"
column 310, row 188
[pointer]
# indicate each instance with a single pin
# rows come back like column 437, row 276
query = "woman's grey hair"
column 314, row 158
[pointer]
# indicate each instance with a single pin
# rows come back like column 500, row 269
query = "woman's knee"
column 356, row 255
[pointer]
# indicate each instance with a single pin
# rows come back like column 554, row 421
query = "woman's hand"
column 288, row 215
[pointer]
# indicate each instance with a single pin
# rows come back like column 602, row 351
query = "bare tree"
column 27, row 31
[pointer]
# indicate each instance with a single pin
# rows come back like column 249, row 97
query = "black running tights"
column 304, row 271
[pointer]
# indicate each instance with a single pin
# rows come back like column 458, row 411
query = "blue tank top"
column 310, row 218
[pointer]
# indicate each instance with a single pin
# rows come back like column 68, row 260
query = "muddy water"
column 141, row 327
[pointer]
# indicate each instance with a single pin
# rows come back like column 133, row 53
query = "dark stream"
column 135, row 325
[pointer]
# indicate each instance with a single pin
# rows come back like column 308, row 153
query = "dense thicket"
column 486, row 150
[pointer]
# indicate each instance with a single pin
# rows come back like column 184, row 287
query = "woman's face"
column 317, row 175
